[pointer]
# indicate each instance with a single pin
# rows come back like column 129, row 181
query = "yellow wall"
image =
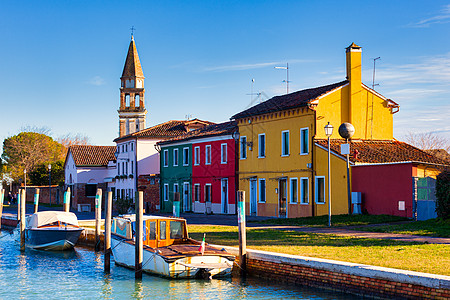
column 334, row 108
column 339, row 198
column 425, row 171
column 274, row 165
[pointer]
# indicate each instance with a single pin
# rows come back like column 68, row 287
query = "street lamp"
column 346, row 131
column 50, row 182
column 328, row 133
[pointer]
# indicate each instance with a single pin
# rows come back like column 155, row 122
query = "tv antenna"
column 373, row 88
column 287, row 76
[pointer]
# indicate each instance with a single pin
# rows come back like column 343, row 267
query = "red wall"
column 214, row 172
column 382, row 186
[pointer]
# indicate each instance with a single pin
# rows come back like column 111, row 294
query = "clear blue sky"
column 61, row 60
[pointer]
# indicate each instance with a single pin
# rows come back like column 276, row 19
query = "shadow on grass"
column 270, row 237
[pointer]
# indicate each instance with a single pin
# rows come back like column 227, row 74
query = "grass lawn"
column 337, row 220
column 432, row 227
column 428, row 258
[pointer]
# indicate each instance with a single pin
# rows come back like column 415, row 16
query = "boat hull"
column 56, row 239
column 193, row 266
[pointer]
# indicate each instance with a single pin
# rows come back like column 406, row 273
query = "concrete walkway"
column 231, row 220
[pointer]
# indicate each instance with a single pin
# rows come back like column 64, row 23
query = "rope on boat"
column 148, row 260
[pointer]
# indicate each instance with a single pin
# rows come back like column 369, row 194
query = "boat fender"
column 203, row 274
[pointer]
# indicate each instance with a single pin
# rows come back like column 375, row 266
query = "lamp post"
column 328, row 133
column 346, row 131
column 25, row 179
column 50, row 182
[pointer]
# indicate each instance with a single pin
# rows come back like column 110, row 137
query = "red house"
column 392, row 177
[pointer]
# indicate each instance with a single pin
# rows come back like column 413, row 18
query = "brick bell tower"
column 132, row 112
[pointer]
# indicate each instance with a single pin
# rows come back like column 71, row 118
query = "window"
column 243, row 147
column 186, row 156
column 197, row 192
column 118, row 169
column 285, row 143
column 176, row 191
column 208, row 192
column 166, row 158
column 304, row 190
column 126, row 147
column 126, row 168
column 197, row 155
column 320, row 189
column 175, row 157
column 166, row 192
column 208, row 155
column 132, row 167
column 262, row 145
column 294, row 191
column 152, row 233
column 304, row 145
column 131, row 146
column 90, row 190
column 262, row 190
column 223, row 153
column 176, row 229
column 118, row 149
column 162, row 230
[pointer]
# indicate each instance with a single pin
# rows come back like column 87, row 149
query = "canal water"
column 78, row 274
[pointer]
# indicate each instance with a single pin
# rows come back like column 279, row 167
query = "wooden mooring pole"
column 240, row 195
column 98, row 217
column 19, row 197
column 36, row 200
column 67, row 199
column 22, row 220
column 138, row 238
column 176, row 205
column 108, row 217
column 2, row 197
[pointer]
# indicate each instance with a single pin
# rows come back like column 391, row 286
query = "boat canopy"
column 48, row 217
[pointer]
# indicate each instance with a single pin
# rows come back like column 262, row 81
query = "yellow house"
column 281, row 169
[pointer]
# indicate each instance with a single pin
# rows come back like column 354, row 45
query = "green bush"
column 443, row 195
column 121, row 205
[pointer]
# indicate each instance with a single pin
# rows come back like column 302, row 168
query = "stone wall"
column 149, row 184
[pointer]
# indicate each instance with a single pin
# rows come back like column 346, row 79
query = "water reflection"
column 79, row 274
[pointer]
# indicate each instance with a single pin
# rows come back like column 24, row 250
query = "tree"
column 40, row 174
column 26, row 150
column 73, row 139
column 428, row 141
column 443, row 195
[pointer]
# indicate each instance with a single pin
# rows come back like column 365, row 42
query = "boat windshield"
column 176, row 229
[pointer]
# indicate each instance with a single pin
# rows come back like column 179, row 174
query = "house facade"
column 86, row 169
column 201, row 166
column 388, row 175
column 282, row 171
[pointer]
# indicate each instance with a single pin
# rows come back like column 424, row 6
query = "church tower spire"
column 132, row 112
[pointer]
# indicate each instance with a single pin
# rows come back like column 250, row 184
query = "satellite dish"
column 346, row 130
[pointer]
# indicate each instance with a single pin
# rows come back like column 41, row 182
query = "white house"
column 86, row 169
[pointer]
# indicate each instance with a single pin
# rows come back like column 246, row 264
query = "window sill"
column 320, row 202
column 261, row 157
column 306, row 203
column 293, row 203
column 285, row 155
column 304, row 153
column 224, row 163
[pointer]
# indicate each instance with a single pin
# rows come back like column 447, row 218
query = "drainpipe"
column 236, row 173
column 313, row 137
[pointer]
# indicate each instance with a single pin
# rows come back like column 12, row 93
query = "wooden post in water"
column 22, row 220
column 36, row 200
column 240, row 195
column 67, row 199
column 108, row 232
column 98, row 217
column 19, row 196
column 139, row 236
column 2, row 197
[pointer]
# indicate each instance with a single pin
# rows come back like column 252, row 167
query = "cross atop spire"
column 132, row 32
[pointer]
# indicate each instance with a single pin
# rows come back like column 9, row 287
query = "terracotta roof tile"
column 211, row 130
column 288, row 101
column 92, row 155
column 381, row 151
column 132, row 66
column 167, row 129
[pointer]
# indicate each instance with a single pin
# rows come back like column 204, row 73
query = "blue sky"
column 61, row 61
